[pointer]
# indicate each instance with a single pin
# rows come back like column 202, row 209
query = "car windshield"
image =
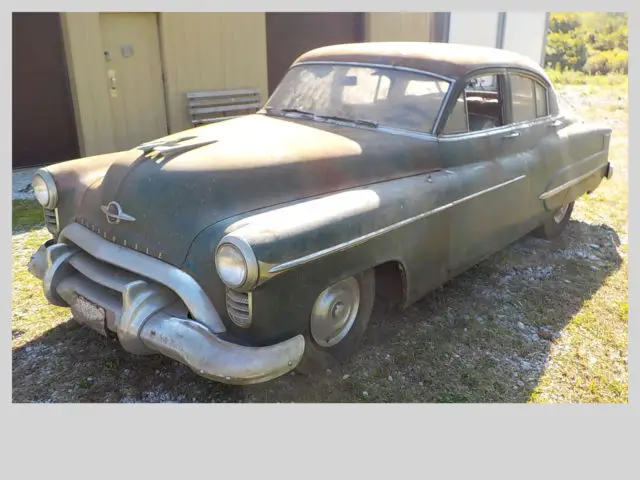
column 362, row 95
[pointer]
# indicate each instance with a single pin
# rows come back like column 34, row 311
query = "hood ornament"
column 114, row 213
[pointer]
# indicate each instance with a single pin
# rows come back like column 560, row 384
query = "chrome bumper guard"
column 153, row 307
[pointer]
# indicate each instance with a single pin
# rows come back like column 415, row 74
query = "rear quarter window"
column 523, row 100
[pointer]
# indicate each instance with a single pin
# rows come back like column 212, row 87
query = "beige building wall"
column 209, row 51
column 199, row 51
column 88, row 81
column 397, row 27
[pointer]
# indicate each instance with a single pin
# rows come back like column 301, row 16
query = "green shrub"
column 591, row 42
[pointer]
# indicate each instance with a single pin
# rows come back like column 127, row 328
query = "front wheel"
column 338, row 320
column 556, row 223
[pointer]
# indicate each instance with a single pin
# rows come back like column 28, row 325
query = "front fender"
column 304, row 246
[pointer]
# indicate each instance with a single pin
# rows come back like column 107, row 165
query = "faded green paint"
column 294, row 187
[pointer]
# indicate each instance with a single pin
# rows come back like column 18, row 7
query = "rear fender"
column 587, row 146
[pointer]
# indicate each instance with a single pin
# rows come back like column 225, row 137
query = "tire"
column 556, row 223
column 319, row 356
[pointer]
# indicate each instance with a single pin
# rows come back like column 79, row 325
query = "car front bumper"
column 153, row 307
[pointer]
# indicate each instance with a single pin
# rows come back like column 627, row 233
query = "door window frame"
column 536, row 79
column 459, row 89
column 505, row 93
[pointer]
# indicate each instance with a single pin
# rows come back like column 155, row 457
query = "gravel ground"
column 22, row 183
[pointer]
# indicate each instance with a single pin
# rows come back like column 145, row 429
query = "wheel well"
column 390, row 283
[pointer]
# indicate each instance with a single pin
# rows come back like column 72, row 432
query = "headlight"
column 236, row 263
column 231, row 265
column 44, row 189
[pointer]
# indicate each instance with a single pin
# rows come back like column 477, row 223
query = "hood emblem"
column 114, row 213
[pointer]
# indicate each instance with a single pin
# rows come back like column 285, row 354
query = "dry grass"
column 537, row 322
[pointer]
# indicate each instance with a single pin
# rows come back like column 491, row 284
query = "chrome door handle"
column 512, row 135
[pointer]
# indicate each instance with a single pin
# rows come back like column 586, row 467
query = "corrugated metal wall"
column 209, row 51
column 410, row 27
column 89, row 87
column 199, row 51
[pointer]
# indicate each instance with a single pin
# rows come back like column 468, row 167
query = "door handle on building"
column 113, row 83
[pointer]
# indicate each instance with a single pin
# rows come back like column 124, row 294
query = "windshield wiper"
column 289, row 110
column 357, row 121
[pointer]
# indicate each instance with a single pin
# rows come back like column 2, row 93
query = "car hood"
column 237, row 166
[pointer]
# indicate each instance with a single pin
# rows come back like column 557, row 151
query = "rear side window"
column 542, row 107
column 523, row 100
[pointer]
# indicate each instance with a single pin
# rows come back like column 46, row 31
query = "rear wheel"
column 338, row 320
column 556, row 223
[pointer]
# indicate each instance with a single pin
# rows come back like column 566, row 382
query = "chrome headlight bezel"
column 50, row 185
column 245, row 252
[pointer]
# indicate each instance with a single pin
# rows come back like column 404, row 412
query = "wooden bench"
column 216, row 105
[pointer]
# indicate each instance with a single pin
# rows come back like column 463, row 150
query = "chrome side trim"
column 554, row 191
column 364, row 238
column 171, row 277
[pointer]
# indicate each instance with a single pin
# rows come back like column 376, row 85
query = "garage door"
column 44, row 129
column 291, row 34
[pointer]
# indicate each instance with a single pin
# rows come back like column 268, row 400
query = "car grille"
column 104, row 284
column 51, row 221
column 239, row 308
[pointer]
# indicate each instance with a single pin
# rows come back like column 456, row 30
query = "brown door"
column 291, row 34
column 44, row 129
column 134, row 77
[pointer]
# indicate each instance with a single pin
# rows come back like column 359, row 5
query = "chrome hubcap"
column 559, row 215
column 334, row 312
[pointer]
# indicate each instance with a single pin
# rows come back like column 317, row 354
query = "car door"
column 537, row 142
column 489, row 180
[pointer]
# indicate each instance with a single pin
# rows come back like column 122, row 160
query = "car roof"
column 450, row 60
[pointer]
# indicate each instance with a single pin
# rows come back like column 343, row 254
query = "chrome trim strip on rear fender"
column 359, row 240
column 168, row 275
column 554, row 191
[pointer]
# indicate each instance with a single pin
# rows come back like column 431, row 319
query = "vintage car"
column 256, row 245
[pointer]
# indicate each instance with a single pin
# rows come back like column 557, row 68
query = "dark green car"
column 250, row 247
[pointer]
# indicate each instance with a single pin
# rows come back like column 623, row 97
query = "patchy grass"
column 537, row 322
column 26, row 214
column 570, row 77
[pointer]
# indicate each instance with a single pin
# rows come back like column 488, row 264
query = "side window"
column 479, row 106
column 542, row 108
column 457, row 121
column 523, row 101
